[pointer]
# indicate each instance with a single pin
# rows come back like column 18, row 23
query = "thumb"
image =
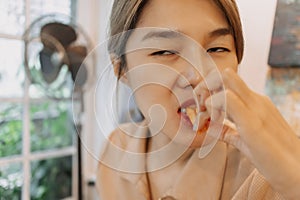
column 233, row 138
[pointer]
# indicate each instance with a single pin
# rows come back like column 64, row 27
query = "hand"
column 262, row 133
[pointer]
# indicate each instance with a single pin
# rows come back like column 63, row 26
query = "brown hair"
column 125, row 15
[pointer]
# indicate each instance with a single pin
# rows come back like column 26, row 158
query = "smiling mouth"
column 190, row 113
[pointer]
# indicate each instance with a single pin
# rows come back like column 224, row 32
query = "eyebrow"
column 220, row 32
column 170, row 34
column 167, row 34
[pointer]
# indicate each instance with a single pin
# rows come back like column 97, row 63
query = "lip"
column 188, row 103
column 186, row 120
column 203, row 121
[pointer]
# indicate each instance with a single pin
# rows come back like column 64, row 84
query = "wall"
column 88, row 19
column 257, row 18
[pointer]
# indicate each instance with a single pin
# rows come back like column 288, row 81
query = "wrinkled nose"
column 189, row 76
column 194, row 67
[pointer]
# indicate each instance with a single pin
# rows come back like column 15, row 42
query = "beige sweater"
column 223, row 174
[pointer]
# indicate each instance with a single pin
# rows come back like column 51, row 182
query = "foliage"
column 51, row 127
column 10, row 130
column 51, row 179
column 10, row 182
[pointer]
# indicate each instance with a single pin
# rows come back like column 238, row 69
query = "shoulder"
column 124, row 146
column 118, row 136
column 117, row 160
column 126, row 134
column 112, row 152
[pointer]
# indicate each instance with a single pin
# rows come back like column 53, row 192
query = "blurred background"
column 40, row 156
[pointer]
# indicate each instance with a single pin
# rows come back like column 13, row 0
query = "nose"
column 189, row 76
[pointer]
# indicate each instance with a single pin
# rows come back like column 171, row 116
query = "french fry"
column 192, row 114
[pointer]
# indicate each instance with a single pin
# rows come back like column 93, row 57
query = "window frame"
column 26, row 156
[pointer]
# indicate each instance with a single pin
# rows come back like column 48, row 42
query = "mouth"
column 188, row 111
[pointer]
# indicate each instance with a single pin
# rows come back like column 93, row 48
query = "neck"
column 169, row 150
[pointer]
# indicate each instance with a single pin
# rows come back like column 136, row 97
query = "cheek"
column 228, row 62
column 145, row 98
column 136, row 58
column 150, row 95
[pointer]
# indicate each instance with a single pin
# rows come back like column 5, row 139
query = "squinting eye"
column 164, row 53
column 217, row 50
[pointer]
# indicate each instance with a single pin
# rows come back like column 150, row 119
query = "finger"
column 233, row 138
column 225, row 134
column 233, row 82
column 230, row 124
column 229, row 103
column 213, row 81
column 216, row 104
column 203, row 96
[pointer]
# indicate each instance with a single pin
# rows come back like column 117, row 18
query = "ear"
column 116, row 62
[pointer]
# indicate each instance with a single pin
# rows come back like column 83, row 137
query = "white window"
column 38, row 153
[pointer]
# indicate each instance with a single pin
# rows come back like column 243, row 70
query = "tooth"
column 183, row 110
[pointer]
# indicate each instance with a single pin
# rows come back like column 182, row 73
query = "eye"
column 164, row 53
column 218, row 50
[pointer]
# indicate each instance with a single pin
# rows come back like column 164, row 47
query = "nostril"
column 188, row 79
column 183, row 81
column 194, row 77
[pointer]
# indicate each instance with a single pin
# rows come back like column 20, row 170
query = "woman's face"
column 177, row 43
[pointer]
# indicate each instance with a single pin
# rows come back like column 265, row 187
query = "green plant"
column 51, row 179
column 51, row 127
column 11, row 182
column 10, row 130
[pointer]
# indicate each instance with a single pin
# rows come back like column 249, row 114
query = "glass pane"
column 12, row 18
column 10, row 129
column 60, row 89
column 11, row 69
column 51, row 125
column 51, row 179
column 42, row 7
column 11, row 181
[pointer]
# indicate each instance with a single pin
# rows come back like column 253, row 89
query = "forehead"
column 182, row 14
column 199, row 20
